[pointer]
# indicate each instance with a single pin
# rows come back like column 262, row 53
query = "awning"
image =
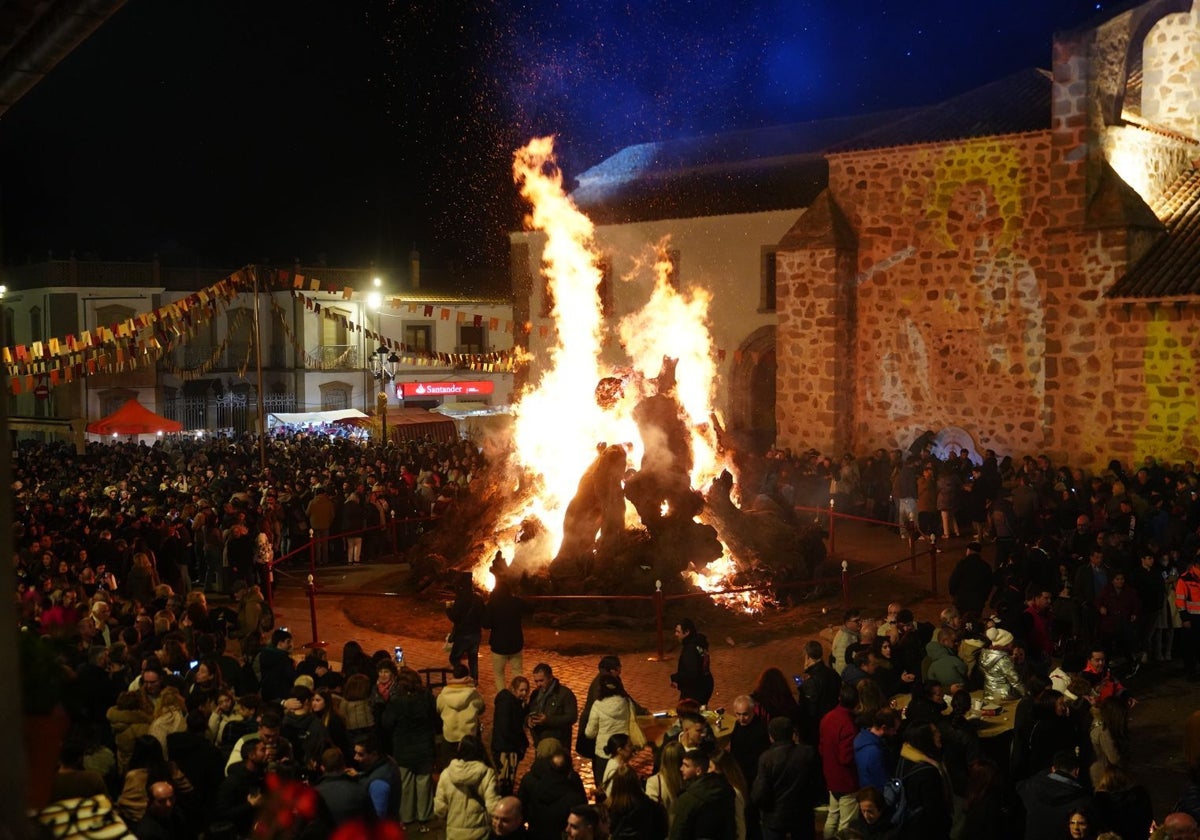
column 471, row 409
column 315, row 418
column 417, row 423
column 133, row 418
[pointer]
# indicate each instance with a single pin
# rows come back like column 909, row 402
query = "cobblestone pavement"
column 736, row 663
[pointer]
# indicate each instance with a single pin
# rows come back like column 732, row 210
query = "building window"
column 472, row 339
column 35, row 324
column 767, row 271
column 604, row 289
column 418, row 338
column 335, row 396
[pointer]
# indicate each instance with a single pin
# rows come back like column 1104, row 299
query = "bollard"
column 832, row 535
column 933, row 554
column 845, row 584
column 392, row 533
column 658, row 619
column 312, row 613
column 312, row 552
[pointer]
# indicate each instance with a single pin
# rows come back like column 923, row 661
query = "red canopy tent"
column 133, row 418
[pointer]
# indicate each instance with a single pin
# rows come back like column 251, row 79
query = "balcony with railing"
column 334, row 357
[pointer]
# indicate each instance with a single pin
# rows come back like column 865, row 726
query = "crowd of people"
column 200, row 720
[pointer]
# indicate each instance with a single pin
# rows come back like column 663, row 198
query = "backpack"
column 895, row 796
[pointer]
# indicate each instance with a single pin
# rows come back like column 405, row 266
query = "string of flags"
column 149, row 338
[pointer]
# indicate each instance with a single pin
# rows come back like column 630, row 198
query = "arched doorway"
column 752, row 398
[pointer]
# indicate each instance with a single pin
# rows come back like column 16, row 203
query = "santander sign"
column 445, row 389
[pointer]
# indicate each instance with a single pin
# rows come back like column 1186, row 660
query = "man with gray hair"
column 748, row 741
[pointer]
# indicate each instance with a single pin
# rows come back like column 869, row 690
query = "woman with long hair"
column 1121, row 804
column 204, row 686
column 170, row 716
column 775, row 698
column 727, row 766
column 665, row 786
column 926, row 786
column 1109, row 735
column 466, row 792
column 325, row 710
column 356, row 706
column 147, row 766
column 632, row 814
column 610, row 715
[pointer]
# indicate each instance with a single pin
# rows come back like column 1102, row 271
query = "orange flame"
column 558, row 423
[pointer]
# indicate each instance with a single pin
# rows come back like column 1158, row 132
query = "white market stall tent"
column 350, row 416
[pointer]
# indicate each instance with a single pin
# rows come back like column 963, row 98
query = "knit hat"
column 999, row 637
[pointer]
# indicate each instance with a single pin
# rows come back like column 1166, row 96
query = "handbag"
column 636, row 736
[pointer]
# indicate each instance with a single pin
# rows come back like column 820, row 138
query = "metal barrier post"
column 270, row 577
column 845, row 584
column 912, row 552
column 658, row 619
column 392, row 532
column 312, row 613
column 832, row 535
column 312, row 552
column 933, row 555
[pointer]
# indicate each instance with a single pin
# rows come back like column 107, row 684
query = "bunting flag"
column 150, row 337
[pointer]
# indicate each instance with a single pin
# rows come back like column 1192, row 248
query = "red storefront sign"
column 445, row 389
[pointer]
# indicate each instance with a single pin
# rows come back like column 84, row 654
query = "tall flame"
column 558, row 423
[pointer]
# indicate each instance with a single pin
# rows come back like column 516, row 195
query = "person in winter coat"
column 944, row 665
column 466, row 793
column 610, row 715
column 632, row 814
column 871, row 756
column 460, row 706
column 926, row 786
column 502, row 617
column 321, row 513
column 553, row 708
column 705, row 809
column 948, row 484
column 353, row 522
column 1000, row 678
column 170, row 717
column 787, row 784
column 341, row 792
column 549, row 791
column 466, row 614
column 971, row 581
column 1050, row 796
column 836, row 748
column 303, row 729
column 129, row 719
column 411, row 719
column 693, row 677
column 274, row 667
column 508, row 733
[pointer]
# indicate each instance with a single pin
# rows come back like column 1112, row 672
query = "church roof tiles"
column 1170, row 269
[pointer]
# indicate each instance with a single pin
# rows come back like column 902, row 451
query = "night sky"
column 221, row 132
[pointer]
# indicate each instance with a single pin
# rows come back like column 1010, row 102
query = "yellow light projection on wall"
column 1172, row 396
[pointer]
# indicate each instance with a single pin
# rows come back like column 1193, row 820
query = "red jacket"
column 1187, row 593
column 837, row 751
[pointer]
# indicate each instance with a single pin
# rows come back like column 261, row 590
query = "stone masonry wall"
column 815, row 379
column 1171, row 74
column 950, row 322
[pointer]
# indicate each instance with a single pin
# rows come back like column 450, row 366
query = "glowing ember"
column 579, row 405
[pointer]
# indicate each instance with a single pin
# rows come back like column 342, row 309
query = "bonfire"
column 615, row 480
